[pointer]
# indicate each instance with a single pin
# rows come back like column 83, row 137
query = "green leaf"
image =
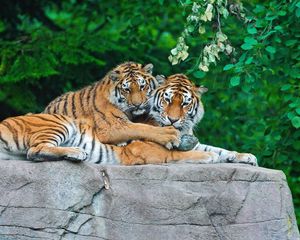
column 251, row 30
column 249, row 60
column 298, row 12
column 267, row 35
column 242, row 58
column 285, row 87
column 259, row 8
column 294, row 73
column 271, row 17
column 282, row 13
column 294, row 104
column 250, row 40
column 228, row 67
column 260, row 23
column 291, row 42
column 287, row 97
column 235, row 81
column 238, row 69
column 278, row 28
column 278, row 40
column 298, row 111
column 249, row 79
column 267, row 152
column 247, row 46
column 191, row 28
column 246, row 88
column 291, row 115
column 199, row 74
column 296, row 122
column 270, row 49
column 224, row 12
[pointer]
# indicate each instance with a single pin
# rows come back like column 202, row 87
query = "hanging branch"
column 203, row 12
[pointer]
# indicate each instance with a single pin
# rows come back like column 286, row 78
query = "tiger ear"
column 201, row 90
column 160, row 79
column 114, row 75
column 148, row 68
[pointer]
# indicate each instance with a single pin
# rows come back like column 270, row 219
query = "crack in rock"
column 78, row 212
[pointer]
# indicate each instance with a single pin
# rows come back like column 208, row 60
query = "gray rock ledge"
column 63, row 200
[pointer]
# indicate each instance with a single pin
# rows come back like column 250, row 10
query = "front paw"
column 169, row 137
column 172, row 144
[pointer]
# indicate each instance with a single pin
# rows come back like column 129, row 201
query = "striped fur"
column 128, row 86
column 52, row 137
column 111, row 104
column 40, row 137
column 177, row 102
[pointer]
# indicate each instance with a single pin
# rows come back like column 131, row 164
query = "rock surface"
column 63, row 200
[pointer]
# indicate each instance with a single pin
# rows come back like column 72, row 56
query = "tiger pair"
column 82, row 124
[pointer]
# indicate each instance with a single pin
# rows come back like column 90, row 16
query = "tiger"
column 177, row 103
column 111, row 103
column 53, row 137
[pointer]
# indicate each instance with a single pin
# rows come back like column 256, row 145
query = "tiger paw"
column 76, row 155
column 229, row 157
column 172, row 144
column 169, row 137
column 187, row 142
column 247, row 158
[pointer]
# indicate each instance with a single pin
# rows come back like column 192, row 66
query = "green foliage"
column 247, row 55
column 48, row 47
column 255, row 97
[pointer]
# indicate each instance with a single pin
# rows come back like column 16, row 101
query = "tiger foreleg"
column 53, row 153
column 151, row 153
column 165, row 136
column 247, row 158
column 228, row 156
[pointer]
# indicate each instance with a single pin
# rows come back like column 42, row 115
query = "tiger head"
column 133, row 85
column 177, row 102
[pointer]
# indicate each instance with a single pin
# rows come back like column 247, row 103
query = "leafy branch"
column 204, row 14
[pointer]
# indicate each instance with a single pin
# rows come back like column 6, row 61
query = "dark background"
column 253, row 104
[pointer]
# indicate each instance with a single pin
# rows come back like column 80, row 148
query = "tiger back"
column 128, row 86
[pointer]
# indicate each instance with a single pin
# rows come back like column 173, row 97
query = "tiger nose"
column 173, row 120
column 137, row 104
